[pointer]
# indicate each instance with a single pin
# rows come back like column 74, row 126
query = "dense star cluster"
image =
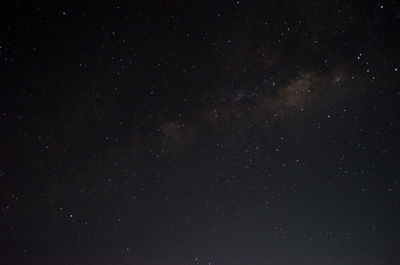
column 207, row 132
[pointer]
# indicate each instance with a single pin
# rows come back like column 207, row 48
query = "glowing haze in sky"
column 207, row 132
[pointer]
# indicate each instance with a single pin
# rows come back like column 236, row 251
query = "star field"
column 200, row 132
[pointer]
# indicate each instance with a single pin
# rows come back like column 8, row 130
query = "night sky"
column 200, row 133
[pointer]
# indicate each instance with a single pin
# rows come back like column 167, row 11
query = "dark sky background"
column 208, row 132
